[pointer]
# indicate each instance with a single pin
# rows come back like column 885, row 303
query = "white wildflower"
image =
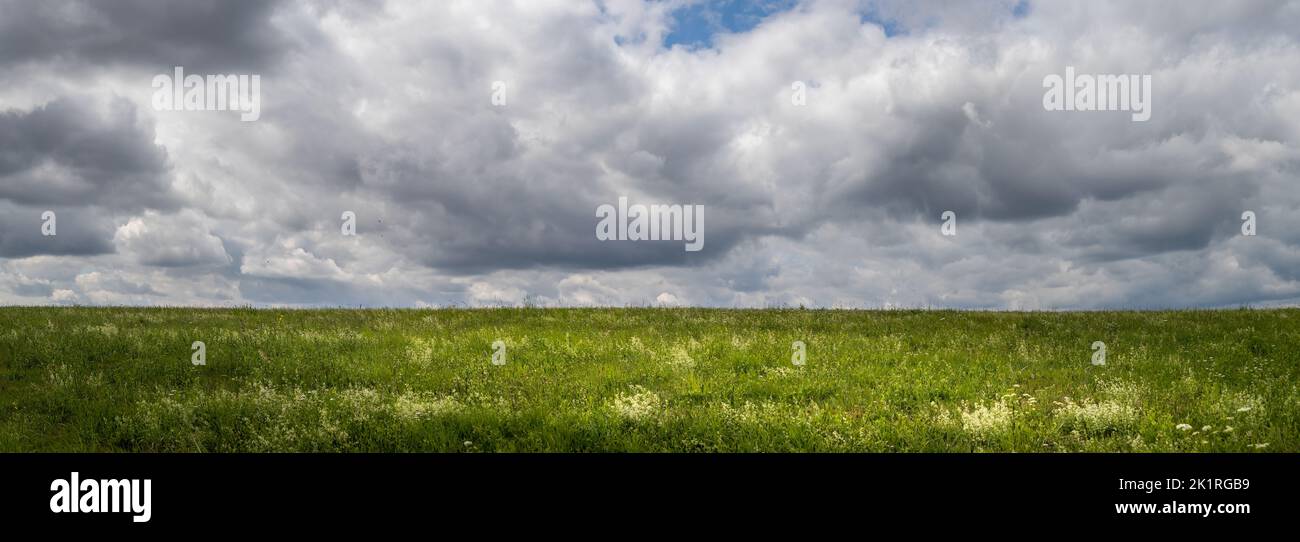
column 638, row 405
column 420, row 350
column 1097, row 417
column 681, row 358
column 412, row 406
column 985, row 421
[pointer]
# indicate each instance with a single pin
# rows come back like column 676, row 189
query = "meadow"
column 647, row 380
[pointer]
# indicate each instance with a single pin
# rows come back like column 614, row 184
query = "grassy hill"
column 122, row 379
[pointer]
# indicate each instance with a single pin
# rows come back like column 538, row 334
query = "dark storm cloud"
column 518, row 223
column 86, row 160
column 77, row 231
column 73, row 151
column 200, row 34
column 919, row 179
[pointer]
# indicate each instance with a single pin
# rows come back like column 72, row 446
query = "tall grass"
column 120, row 379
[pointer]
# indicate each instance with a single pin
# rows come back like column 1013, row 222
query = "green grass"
column 120, row 379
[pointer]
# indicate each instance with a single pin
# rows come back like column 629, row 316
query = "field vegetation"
column 689, row 380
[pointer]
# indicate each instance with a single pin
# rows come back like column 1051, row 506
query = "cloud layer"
column 386, row 109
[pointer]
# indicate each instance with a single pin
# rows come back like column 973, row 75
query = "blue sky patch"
column 892, row 28
column 1021, row 9
column 694, row 26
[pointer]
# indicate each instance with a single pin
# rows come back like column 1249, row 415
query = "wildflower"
column 1183, row 427
column 642, row 403
column 1097, row 417
column 985, row 421
column 413, row 406
column 681, row 358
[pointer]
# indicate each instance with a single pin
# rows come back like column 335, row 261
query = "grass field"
column 121, row 379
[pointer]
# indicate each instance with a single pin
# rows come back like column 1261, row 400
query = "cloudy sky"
column 911, row 108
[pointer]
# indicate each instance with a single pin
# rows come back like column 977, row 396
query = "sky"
column 475, row 141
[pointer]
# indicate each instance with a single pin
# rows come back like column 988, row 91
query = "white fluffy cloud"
column 178, row 240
